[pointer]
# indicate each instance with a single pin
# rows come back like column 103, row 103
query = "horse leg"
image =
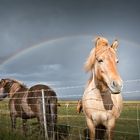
column 24, row 126
column 13, row 120
column 110, row 128
column 13, row 114
column 91, row 127
column 41, row 124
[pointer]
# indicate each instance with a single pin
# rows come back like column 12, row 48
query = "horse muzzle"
column 2, row 94
column 116, row 87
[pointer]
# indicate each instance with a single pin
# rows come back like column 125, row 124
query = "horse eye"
column 100, row 60
column 117, row 61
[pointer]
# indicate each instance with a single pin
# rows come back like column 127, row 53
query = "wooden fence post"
column 44, row 115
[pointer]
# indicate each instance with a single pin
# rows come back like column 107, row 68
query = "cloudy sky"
column 49, row 40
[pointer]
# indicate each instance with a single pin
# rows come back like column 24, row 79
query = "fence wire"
column 70, row 124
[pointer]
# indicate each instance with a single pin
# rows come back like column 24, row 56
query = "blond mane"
column 99, row 43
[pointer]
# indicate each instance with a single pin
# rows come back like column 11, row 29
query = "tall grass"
column 127, row 126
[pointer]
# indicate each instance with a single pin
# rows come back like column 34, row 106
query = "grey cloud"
column 64, row 59
column 58, row 60
column 51, row 67
column 27, row 22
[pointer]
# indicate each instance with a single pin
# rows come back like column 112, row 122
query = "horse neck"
column 14, row 87
column 91, row 83
column 94, row 83
column 101, row 86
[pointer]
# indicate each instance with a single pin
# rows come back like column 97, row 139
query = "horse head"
column 3, row 92
column 8, row 87
column 102, row 62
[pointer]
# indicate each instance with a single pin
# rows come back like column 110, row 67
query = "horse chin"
column 114, row 91
column 1, row 91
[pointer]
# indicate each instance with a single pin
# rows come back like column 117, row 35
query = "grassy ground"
column 127, row 126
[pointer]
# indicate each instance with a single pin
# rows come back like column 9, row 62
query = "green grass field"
column 127, row 126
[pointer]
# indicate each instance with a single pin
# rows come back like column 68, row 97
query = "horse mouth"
column 115, row 89
column 2, row 94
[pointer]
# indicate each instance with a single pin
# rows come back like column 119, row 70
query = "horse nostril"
column 114, row 84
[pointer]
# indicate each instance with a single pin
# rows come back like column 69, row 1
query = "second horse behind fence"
column 26, row 103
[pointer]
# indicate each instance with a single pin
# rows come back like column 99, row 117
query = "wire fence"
column 70, row 124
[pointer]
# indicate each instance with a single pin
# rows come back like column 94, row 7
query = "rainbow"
column 47, row 42
column 30, row 48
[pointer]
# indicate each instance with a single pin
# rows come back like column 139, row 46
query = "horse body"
column 50, row 105
column 102, row 101
column 27, row 103
column 18, row 105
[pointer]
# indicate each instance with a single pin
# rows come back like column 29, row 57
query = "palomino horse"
column 102, row 100
column 27, row 103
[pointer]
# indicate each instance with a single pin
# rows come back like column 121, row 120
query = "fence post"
column 138, row 121
column 44, row 115
column 80, row 135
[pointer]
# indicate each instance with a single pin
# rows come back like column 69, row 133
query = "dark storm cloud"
column 61, row 57
column 24, row 23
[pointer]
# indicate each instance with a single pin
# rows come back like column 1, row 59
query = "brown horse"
column 102, row 100
column 79, row 106
column 27, row 103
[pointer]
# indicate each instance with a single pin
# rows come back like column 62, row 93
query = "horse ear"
column 97, row 41
column 101, row 41
column 115, row 45
column 90, row 61
column 2, row 80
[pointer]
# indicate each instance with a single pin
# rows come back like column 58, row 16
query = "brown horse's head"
column 8, row 87
column 3, row 92
column 102, row 61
